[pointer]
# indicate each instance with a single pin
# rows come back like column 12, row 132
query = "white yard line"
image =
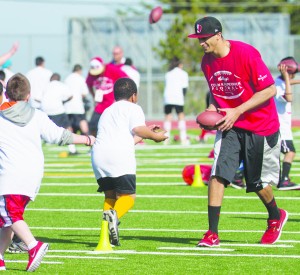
column 152, row 230
column 164, row 196
column 202, row 254
column 171, row 212
column 21, row 261
column 83, row 257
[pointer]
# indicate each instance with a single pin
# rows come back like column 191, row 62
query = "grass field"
column 158, row 236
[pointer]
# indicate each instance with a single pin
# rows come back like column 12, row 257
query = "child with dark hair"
column 121, row 126
column 21, row 129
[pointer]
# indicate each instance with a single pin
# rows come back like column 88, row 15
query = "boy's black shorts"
column 123, row 185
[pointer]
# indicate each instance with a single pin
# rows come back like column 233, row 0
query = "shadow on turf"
column 264, row 219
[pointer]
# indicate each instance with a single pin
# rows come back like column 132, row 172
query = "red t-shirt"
column 234, row 79
column 105, row 82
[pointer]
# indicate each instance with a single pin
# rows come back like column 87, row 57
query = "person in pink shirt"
column 100, row 81
column 242, row 88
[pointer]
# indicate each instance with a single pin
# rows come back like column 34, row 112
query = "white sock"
column 182, row 129
column 32, row 244
column 72, row 148
column 1, row 257
column 167, row 127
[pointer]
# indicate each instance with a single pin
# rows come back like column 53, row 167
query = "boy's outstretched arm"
column 152, row 132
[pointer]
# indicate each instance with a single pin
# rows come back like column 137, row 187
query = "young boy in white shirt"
column 22, row 163
column 121, row 126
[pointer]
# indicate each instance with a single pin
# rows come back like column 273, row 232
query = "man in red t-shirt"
column 242, row 88
column 100, row 81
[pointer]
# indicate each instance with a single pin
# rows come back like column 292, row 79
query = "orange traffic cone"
column 104, row 243
column 197, row 182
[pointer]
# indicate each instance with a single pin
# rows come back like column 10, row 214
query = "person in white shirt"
column 56, row 94
column 38, row 77
column 75, row 107
column 131, row 71
column 176, row 84
column 283, row 100
column 22, row 128
column 121, row 126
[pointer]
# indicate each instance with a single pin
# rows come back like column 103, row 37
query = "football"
column 208, row 119
column 292, row 66
column 155, row 15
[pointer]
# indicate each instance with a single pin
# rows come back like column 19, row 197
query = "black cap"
column 206, row 27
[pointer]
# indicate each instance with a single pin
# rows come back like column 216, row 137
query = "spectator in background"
column 118, row 56
column 283, row 100
column 6, row 67
column 39, row 78
column 131, row 71
column 75, row 107
column 176, row 84
column 100, row 81
column 9, row 54
column 55, row 96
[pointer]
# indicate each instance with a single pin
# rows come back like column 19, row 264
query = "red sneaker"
column 210, row 239
column 36, row 255
column 274, row 229
column 2, row 265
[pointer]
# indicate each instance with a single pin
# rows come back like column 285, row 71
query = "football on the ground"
column 208, row 119
column 155, row 15
column 292, row 66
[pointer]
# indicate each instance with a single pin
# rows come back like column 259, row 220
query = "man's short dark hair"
column 77, row 68
column 18, row 87
column 55, row 76
column 124, row 88
column 1, row 89
column 39, row 61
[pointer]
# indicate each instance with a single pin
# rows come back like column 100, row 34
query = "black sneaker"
column 287, row 185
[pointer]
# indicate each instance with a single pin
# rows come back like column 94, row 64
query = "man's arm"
column 232, row 114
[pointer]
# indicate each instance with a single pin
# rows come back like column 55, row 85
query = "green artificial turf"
column 159, row 235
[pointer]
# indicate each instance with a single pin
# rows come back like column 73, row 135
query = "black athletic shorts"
column 123, row 185
column 287, row 146
column 170, row 107
column 61, row 120
column 75, row 120
column 260, row 154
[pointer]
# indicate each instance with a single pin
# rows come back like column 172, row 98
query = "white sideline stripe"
column 227, row 249
column 71, row 170
column 151, row 211
column 195, row 249
column 154, row 230
column 256, row 245
column 163, row 196
column 95, row 184
column 43, row 262
column 80, row 176
column 204, row 254
column 288, row 241
column 83, row 257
